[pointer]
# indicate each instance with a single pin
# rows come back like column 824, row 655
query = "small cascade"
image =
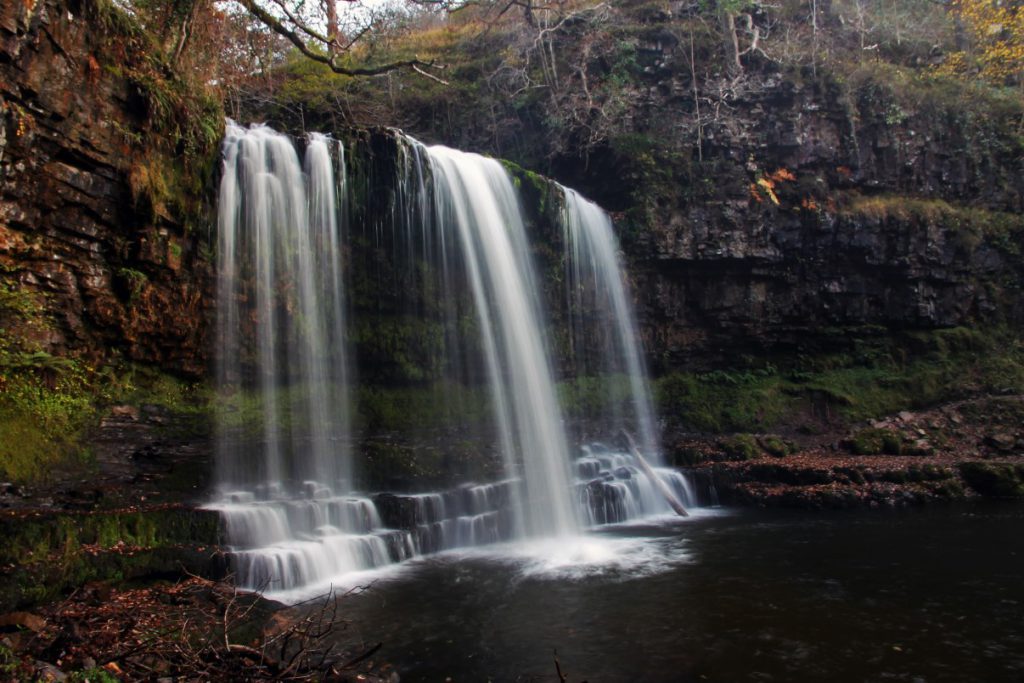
column 467, row 516
column 287, row 543
column 613, row 489
column 280, row 545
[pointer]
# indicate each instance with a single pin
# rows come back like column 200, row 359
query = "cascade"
column 291, row 511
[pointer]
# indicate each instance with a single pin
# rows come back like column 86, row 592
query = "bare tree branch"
column 331, row 60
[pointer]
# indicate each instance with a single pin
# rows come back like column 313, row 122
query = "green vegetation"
column 878, row 376
column 876, row 442
column 184, row 119
column 49, row 403
column 776, row 446
column 389, row 465
column 51, row 552
column 741, row 447
column 996, row 480
column 583, row 397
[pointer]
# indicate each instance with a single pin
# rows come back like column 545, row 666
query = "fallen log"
column 649, row 471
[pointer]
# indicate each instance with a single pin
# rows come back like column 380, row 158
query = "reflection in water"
column 922, row 595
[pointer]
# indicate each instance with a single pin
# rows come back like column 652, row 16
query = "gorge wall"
column 102, row 191
column 793, row 210
column 776, row 210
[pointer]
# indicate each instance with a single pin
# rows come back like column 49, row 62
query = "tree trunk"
column 732, row 45
column 662, row 487
column 331, row 9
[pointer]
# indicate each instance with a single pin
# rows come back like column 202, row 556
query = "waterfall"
column 457, row 252
column 478, row 197
column 280, row 312
column 594, row 274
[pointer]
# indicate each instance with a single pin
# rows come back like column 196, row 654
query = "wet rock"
column 126, row 411
column 623, row 473
column 1001, row 442
column 48, row 673
column 919, row 447
column 75, row 226
column 996, row 480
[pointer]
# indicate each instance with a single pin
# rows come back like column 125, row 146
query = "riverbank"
column 191, row 629
column 87, row 570
column 960, row 451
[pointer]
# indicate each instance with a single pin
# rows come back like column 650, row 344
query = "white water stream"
column 291, row 515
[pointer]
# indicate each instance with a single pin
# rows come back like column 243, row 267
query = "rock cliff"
column 776, row 208
column 90, row 231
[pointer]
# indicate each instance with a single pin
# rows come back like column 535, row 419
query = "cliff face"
column 815, row 209
column 112, row 268
column 778, row 209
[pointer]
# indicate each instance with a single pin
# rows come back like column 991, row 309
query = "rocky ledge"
column 967, row 450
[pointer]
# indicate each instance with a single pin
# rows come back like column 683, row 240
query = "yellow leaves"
column 996, row 30
column 769, row 188
column 766, row 185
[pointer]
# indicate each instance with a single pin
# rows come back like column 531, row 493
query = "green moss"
column 437, row 405
column 996, row 480
column 876, row 442
column 741, row 447
column 725, row 401
column 45, row 554
column 969, row 226
column 403, row 349
column 878, row 374
column 49, row 405
column 44, row 411
column 94, row 675
column 135, row 280
column 595, row 396
column 390, row 465
column 776, row 446
column 184, row 120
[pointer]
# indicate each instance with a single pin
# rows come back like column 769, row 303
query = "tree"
column 994, row 30
column 299, row 25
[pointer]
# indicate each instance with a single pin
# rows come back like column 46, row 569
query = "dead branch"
column 331, row 59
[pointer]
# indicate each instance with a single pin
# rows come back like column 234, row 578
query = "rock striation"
column 115, row 273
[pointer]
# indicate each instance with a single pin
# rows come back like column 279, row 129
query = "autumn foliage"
column 995, row 31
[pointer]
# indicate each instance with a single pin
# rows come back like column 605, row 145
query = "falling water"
column 477, row 195
column 286, row 488
column 595, row 273
column 281, row 312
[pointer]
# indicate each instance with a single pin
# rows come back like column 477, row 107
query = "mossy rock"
column 391, row 465
column 776, row 446
column 47, row 554
column 741, row 447
column 875, row 442
column 995, row 480
column 687, row 456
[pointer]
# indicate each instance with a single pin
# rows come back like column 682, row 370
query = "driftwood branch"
column 655, row 479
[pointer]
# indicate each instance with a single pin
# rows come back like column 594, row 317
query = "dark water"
column 920, row 595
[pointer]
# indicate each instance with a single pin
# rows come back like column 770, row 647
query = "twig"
column 558, row 669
